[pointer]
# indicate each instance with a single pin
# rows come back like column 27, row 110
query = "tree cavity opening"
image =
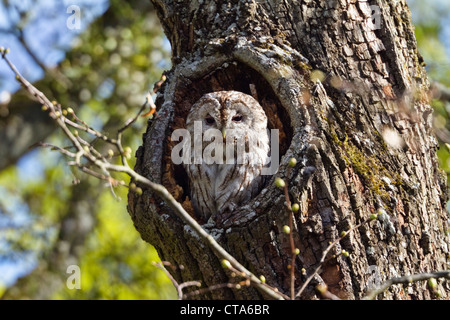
column 230, row 76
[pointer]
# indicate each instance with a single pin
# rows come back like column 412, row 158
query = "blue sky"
column 46, row 34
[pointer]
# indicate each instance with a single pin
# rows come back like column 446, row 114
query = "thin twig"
column 54, row 72
column 245, row 276
column 171, row 278
column 324, row 255
column 323, row 290
column 57, row 148
column 84, row 127
column 27, row 48
column 291, row 236
column 209, row 289
column 406, row 280
column 178, row 287
column 440, row 91
column 133, row 120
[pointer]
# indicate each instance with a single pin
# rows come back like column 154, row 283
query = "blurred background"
column 101, row 61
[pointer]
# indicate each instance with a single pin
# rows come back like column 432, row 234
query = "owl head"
column 233, row 113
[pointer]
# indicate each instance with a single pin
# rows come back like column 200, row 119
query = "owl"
column 229, row 148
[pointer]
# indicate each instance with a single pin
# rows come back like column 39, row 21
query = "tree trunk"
column 345, row 85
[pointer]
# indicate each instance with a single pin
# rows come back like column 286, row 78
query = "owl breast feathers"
column 230, row 131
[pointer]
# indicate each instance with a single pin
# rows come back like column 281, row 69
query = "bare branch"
column 171, row 278
column 323, row 290
column 27, row 48
column 148, row 98
column 291, row 236
column 325, row 254
column 406, row 280
column 210, row 288
column 86, row 128
column 246, row 276
column 440, row 91
column 57, row 148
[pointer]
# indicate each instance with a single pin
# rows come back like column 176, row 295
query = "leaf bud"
column 292, row 162
column 280, row 183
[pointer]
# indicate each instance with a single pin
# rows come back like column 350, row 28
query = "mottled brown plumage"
column 232, row 155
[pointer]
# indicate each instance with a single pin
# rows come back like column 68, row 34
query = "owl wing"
column 236, row 185
column 201, row 179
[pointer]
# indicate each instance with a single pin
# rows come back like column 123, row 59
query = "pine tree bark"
column 345, row 85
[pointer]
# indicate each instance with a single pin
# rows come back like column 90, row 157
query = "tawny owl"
column 229, row 148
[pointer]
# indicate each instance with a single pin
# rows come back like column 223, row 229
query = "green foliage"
column 117, row 262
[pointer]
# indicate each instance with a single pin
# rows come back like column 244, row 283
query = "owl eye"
column 209, row 120
column 237, row 118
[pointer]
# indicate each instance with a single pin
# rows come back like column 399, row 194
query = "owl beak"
column 223, row 133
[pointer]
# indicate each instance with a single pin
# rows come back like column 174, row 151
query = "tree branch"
column 440, row 91
column 406, row 280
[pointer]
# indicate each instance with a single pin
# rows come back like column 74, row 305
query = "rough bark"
column 335, row 127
